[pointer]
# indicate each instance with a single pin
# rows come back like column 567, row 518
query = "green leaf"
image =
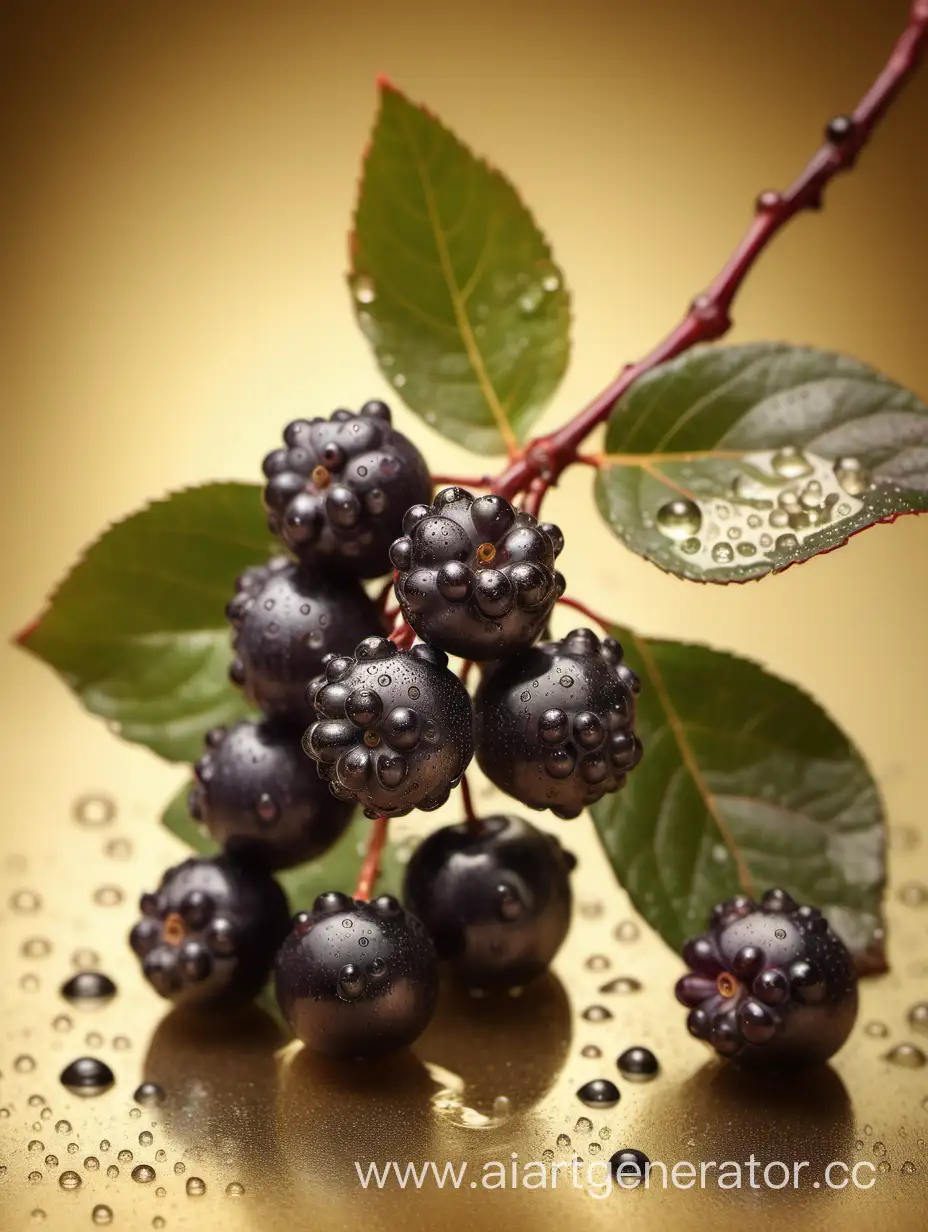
column 137, row 628
column 733, row 462
column 453, row 283
column 745, row 784
column 336, row 870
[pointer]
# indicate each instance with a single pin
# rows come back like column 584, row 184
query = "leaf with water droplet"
column 739, row 762
column 453, row 283
column 815, row 445
column 137, row 629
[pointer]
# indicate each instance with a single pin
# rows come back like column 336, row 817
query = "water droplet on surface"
column 563, row 1141
column 876, row 1029
column 597, row 962
column 24, row 1064
column 584, row 1126
column 85, row 959
column 35, row 1177
column 35, row 1145
column 107, row 896
column 591, row 1052
column 235, row 1189
column 906, row 1056
column 679, row 519
column 790, row 463
column 51, row 1161
column 596, row 1013
column 623, row 985
column 908, row 1168
column 723, row 553
column 364, row 289
column 91, row 1163
column 118, row 849
column 38, row 1215
column 626, row 931
column 786, row 543
column 852, row 476
column 146, row 1138
column 35, row 947
column 112, row 1172
column 87, row 1076
column 125, row 1156
column 88, row 989
column 101, row 1214
column 180, row 1168
column 143, row 1174
column 913, row 894
column 918, row 1016
column 25, row 901
column 196, row 1186
column 149, row 1095
column 70, row 1180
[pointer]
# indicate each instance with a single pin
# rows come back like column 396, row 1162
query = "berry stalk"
column 370, row 869
column 708, row 319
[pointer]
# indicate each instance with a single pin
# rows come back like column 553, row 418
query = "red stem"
column 585, row 611
column 709, row 315
column 455, row 481
column 370, row 869
column 473, row 821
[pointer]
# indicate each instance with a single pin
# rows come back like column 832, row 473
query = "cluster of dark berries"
column 354, row 718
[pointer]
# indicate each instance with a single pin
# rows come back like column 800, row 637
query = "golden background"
column 176, row 189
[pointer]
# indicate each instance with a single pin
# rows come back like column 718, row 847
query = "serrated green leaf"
column 746, row 783
column 137, row 628
column 336, row 870
column 729, row 463
column 453, row 283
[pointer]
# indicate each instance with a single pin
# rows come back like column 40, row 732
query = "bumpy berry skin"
column 209, row 933
column 496, row 901
column 337, row 491
column 287, row 619
column 555, row 724
column 769, row 984
column 395, row 728
column 259, row 796
column 474, row 577
column 357, row 979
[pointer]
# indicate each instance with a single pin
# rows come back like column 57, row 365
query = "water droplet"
column 567, row 682
column 852, row 476
column 107, row 896
column 101, row 1214
column 597, row 962
column 364, row 290
column 88, row 989
column 679, row 519
column 180, row 1168
column 93, row 810
column 591, row 1052
column 913, row 894
column 38, row 1215
column 87, row 1076
column 125, row 1156
column 790, row 463
column 24, row 1064
column 786, row 543
column 623, row 985
column 584, row 1126
column 25, row 901
column 85, row 959
column 29, row 982
column 63, row 1127
column 70, row 1180
column 51, row 1161
column 91, row 1163
column 35, row 947
column 35, row 1145
column 196, row 1186
column 907, row 1056
column 93, row 1039
column 235, row 1189
column 143, row 1174
column 149, row 1095
column 723, row 554
column 638, row 1064
column 918, row 1016
column 61, row 1022
column 563, row 1141
column 596, row 1013
column 626, row 931
column 35, row 1177
column 118, row 849
column 876, row 1029
column 112, row 1172
column 908, row 1168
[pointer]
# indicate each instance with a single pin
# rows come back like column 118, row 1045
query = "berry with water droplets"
column 286, row 620
column 337, row 490
column 209, row 933
column 395, row 728
column 259, row 796
column 769, row 983
column 474, row 577
column 355, row 978
column 555, row 724
column 496, row 899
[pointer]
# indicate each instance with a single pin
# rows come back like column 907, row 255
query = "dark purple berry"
column 337, row 493
column 210, row 931
column 394, row 728
column 555, row 724
column 496, row 900
column 286, row 620
column 260, row 797
column 474, row 577
column 357, row 979
column 770, row 983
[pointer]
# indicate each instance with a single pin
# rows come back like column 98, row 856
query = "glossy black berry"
column 287, row 618
column 495, row 900
column 629, row 1167
column 209, row 933
column 599, row 1093
column 840, row 129
column 337, row 490
column 357, row 979
column 259, row 796
column 395, row 728
column 555, row 724
column 474, row 577
column 769, row 983
column 638, row 1064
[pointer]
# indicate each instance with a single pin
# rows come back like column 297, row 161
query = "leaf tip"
column 385, row 85
column 22, row 637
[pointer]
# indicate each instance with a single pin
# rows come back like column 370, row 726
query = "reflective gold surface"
column 177, row 185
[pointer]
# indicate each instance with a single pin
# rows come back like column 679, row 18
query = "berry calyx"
column 258, row 795
column 555, row 724
column 474, row 577
column 209, row 933
column 355, row 978
column 287, row 618
column 337, row 491
column 395, row 728
column 495, row 898
column 769, row 983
